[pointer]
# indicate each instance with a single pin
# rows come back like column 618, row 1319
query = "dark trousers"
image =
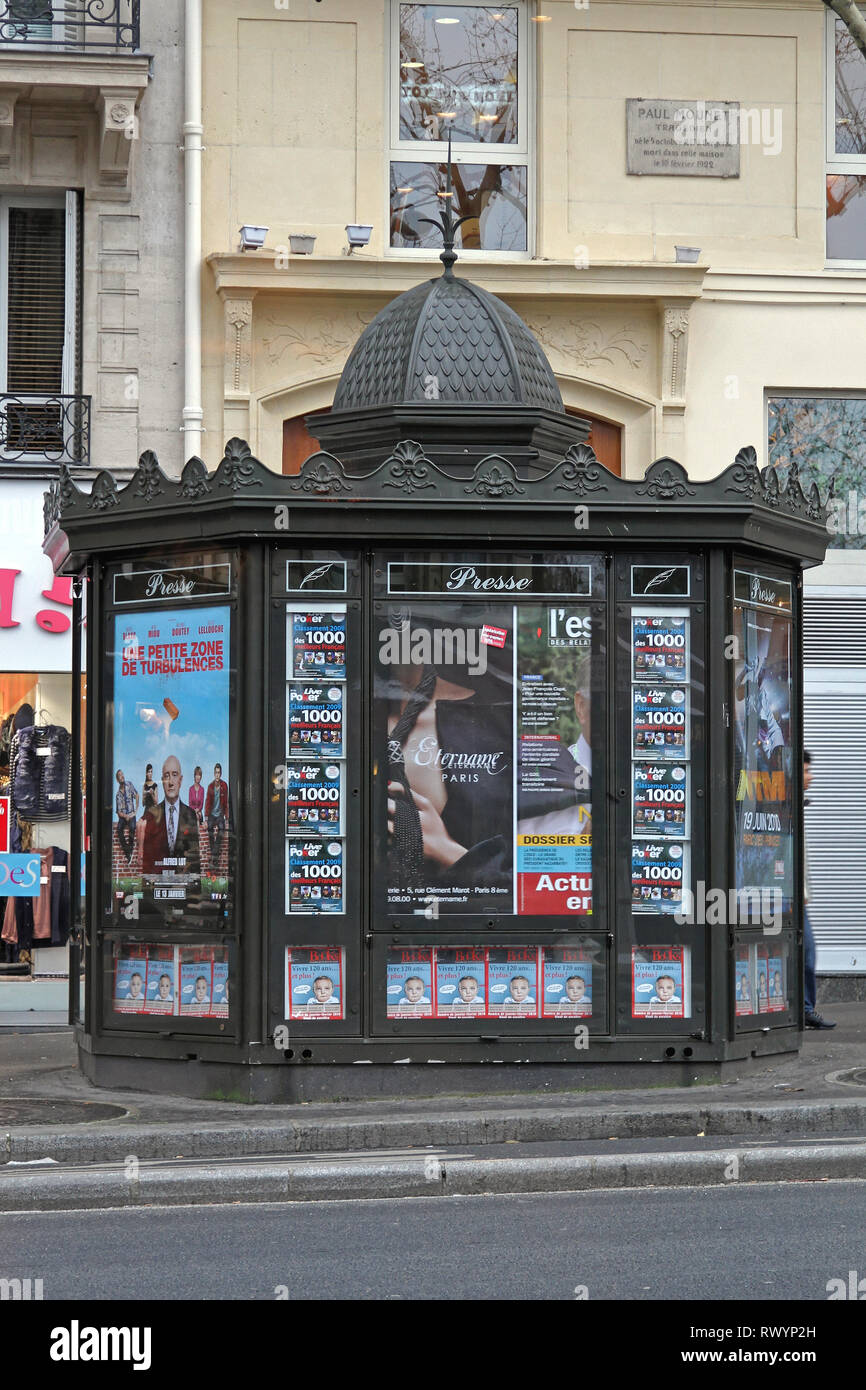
column 809, row 985
column 216, row 825
column 126, row 836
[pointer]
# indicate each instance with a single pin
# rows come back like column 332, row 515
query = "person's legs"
column 212, row 822
column 809, row 985
column 126, row 836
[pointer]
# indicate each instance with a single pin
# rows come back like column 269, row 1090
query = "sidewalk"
column 49, row 1111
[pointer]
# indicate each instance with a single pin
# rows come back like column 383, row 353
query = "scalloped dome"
column 478, row 350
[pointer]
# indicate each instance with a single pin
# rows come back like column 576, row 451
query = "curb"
column 299, row 1181
column 115, row 1142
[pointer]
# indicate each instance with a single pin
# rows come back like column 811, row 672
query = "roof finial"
column 447, row 223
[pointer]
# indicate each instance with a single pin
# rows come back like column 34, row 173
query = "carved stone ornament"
column 581, row 472
column 104, row 493
column 194, row 480
column 120, row 114
column 409, row 467
column 149, row 479
column 238, row 468
column 495, row 477
column 666, row 480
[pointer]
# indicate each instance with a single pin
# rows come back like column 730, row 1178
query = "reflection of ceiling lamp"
column 541, row 18
column 448, row 20
column 446, row 193
column 447, row 115
column 482, row 117
column 407, row 188
column 412, row 65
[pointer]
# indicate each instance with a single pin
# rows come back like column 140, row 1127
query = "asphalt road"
column 764, row 1242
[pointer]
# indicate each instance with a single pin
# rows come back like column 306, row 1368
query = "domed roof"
column 447, row 340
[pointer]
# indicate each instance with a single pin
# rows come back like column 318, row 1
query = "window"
column 41, row 417
column 826, row 436
column 846, row 145
column 460, row 68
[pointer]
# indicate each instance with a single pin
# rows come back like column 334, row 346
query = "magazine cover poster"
column 130, row 975
column 196, row 980
column 776, row 984
column 315, row 720
column 315, row 982
column 659, row 722
column 314, row 875
column 763, row 756
column 554, row 760
column 657, row 871
column 659, row 800
column 658, row 982
column 744, row 982
column 409, row 986
column 566, row 982
column 170, row 774
column 762, row 978
column 161, row 981
column 444, row 709
column 512, row 982
column 220, row 1001
column 461, row 982
column 316, row 642
column 659, row 647
column 314, row 798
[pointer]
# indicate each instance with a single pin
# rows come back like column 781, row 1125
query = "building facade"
column 589, row 143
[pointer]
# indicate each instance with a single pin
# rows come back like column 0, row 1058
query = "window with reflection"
column 846, row 145
column 459, row 70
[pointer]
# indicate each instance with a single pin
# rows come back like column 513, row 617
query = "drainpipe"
column 192, row 149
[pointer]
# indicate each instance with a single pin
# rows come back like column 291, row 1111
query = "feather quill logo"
column 314, row 575
column 661, row 578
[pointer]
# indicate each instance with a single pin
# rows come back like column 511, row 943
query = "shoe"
column 816, row 1021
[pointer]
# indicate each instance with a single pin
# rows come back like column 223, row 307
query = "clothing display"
column 43, row 919
column 41, row 772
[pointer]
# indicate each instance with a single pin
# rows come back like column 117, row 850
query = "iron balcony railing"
column 74, row 26
column 37, row 428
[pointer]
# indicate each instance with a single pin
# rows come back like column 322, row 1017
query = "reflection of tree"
column 827, row 439
column 498, row 190
column 850, row 94
column 470, row 69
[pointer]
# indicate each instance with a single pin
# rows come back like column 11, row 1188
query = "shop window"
column 846, row 145
column 460, row 69
column 824, row 435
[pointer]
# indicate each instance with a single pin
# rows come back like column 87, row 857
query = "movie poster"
column 444, row 689
column 566, row 973
column 315, row 723
column 314, row 876
column 659, row 800
column 316, row 642
column 554, row 760
column 763, row 766
column 512, row 982
column 315, row 982
column 657, row 874
column 410, row 982
column 171, row 807
column 744, row 982
column 461, row 982
column 660, row 982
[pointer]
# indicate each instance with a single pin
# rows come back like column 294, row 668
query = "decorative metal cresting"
column 72, row 25
column 408, row 473
column 447, row 223
column 36, row 428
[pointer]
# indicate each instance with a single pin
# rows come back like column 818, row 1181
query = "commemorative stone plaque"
column 692, row 138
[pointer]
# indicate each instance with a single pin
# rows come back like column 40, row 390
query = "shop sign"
column 19, row 875
column 172, row 585
column 482, row 580
column 49, row 619
column 4, row 825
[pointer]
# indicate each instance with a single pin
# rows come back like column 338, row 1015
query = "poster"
column 659, row 800
column 763, row 758
column 776, row 983
column 161, row 984
column 744, row 982
column 461, row 977
column 314, row 875
column 196, row 980
column 130, row 973
column 315, row 720
column 659, row 982
column 762, row 975
column 566, row 973
column 316, row 642
column 170, row 774
column 314, row 798
column 315, row 982
column 554, row 760
column 444, row 691
column 659, row 722
column 220, row 997
column 657, row 873
column 512, row 982
column 410, row 982
column 659, row 647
